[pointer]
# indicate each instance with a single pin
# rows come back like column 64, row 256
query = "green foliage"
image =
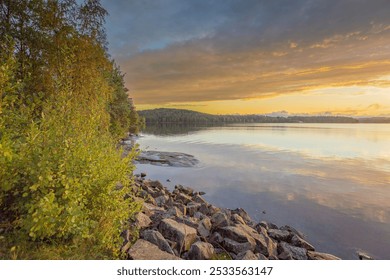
column 179, row 116
column 59, row 165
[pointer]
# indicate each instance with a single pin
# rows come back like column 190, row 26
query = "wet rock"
column 157, row 239
column 288, row 252
column 299, row 242
column 167, row 159
column 363, row 256
column 219, row 220
column 202, row 193
column 144, row 250
column 280, row 235
column 237, row 247
column 142, row 220
column 320, row 256
column 201, row 251
column 143, row 174
column 182, row 234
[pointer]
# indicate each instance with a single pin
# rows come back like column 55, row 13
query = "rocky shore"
column 182, row 225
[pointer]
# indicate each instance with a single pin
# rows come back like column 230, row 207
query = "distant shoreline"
column 180, row 116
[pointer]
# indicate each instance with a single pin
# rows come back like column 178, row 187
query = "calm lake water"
column 330, row 181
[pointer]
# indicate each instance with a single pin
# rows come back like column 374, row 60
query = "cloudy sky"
column 254, row 56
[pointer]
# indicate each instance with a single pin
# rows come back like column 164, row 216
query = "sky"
column 322, row 57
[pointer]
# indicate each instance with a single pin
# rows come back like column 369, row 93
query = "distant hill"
column 180, row 116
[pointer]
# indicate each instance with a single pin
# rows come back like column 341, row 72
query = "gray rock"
column 204, row 209
column 293, row 230
column 143, row 174
column 144, row 250
column 219, row 220
column 213, row 210
column 287, row 251
column 262, row 257
column 198, row 215
column 363, row 256
column 161, row 200
column 202, row 193
column 184, row 190
column 160, row 158
column 321, row 256
column 142, row 220
column 237, row 247
column 243, row 214
column 279, row 235
column 157, row 239
column 174, row 211
column 192, row 208
column 237, row 219
column 180, row 233
column 149, row 209
column 216, row 239
column 247, row 255
column 201, row 251
column 204, row 227
column 299, row 242
column 183, row 198
column 199, row 199
column 181, row 207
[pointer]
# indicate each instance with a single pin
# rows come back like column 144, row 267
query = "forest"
column 63, row 108
column 180, row 116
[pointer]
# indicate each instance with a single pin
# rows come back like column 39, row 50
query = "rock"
column 142, row 220
column 321, row 256
column 199, row 199
column 157, row 239
column 219, row 220
column 287, row 251
column 184, row 190
column 160, row 158
column 293, row 230
column 213, row 210
column 143, row 174
column 199, row 216
column 279, row 235
column 204, row 209
column 126, row 247
column 204, row 227
column 237, row 247
column 299, row 242
column 247, row 255
column 181, row 207
column 202, row 193
column 192, row 208
column 174, row 211
column 178, row 232
column 262, row 257
column 183, row 198
column 363, row 256
column 216, row 239
column 149, row 209
column 201, row 251
column 262, row 224
column 161, row 200
column 243, row 214
column 144, row 250
column 237, row 219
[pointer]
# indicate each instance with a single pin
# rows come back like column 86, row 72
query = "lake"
column 330, row 181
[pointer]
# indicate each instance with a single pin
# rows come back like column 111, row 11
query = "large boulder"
column 144, row 250
column 204, row 227
column 279, row 235
column 219, row 220
column 192, row 208
column 289, row 252
column 142, row 220
column 237, row 247
column 201, row 251
column 157, row 239
column 299, row 242
column 247, row 255
column 180, row 233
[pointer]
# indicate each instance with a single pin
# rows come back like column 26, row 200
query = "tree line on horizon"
column 63, row 108
column 180, row 116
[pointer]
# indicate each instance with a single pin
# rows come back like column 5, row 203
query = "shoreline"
column 182, row 225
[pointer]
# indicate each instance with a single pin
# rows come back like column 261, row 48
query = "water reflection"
column 335, row 190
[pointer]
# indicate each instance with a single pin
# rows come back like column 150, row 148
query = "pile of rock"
column 183, row 225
